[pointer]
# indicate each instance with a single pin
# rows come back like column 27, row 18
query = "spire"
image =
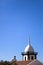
column 29, row 40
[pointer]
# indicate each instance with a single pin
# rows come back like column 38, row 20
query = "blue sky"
column 20, row 19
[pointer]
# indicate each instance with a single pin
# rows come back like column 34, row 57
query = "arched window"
column 25, row 58
column 32, row 58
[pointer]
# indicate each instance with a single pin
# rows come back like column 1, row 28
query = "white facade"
column 32, row 56
column 25, row 57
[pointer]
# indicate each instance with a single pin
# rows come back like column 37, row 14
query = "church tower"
column 29, row 53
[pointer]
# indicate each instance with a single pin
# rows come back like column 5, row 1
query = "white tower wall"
column 25, row 57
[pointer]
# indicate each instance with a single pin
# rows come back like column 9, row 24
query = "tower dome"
column 29, row 48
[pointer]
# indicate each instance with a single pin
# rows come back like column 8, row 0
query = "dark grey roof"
column 35, row 62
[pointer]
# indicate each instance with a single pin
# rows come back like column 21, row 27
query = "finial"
column 29, row 40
